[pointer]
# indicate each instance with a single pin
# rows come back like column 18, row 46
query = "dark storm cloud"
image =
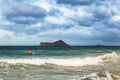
column 76, row 2
column 23, row 13
column 101, row 13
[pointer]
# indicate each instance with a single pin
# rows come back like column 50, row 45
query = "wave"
column 65, row 61
column 110, row 57
column 99, row 76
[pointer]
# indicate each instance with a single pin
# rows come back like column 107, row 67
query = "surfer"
column 30, row 51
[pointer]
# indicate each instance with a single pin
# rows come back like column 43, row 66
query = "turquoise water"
column 21, row 51
column 59, row 63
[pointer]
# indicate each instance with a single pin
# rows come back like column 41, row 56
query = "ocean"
column 60, row 63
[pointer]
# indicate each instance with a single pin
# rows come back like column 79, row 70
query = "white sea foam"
column 60, row 62
column 97, row 76
column 110, row 57
column 65, row 62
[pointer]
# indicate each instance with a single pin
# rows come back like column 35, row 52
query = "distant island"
column 56, row 43
column 99, row 45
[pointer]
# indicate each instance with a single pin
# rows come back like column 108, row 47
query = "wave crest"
column 65, row 62
column 110, row 57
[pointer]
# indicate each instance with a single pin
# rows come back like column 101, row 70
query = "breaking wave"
column 65, row 61
column 100, row 76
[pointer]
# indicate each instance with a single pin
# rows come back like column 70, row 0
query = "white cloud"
column 82, row 11
column 55, row 19
column 52, row 32
column 34, row 26
column 45, row 4
column 5, row 32
column 66, row 12
column 85, row 31
column 80, row 31
column 69, row 12
column 116, row 18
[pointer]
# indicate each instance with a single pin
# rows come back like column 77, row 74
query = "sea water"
column 60, row 63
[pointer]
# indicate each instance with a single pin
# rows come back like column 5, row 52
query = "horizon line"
column 60, row 46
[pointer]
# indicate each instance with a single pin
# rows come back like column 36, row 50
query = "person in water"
column 30, row 51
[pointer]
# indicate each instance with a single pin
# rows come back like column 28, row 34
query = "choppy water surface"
column 60, row 63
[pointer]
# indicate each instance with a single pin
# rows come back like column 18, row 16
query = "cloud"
column 101, row 13
column 116, row 18
column 84, row 31
column 82, row 22
column 55, row 20
column 45, row 4
column 23, row 13
column 5, row 33
column 76, row 2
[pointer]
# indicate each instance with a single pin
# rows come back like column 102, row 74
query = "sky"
column 77, row 22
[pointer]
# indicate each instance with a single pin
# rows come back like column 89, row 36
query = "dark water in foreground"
column 60, row 63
